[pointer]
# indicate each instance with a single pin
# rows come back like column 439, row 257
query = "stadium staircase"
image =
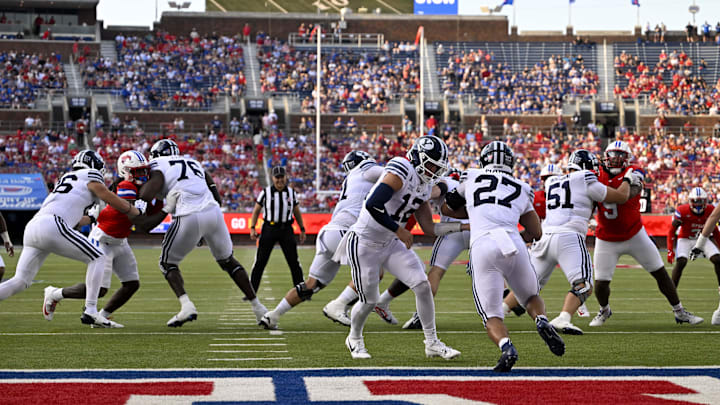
column 252, row 69
column 74, row 79
column 108, row 50
column 606, row 72
column 431, row 82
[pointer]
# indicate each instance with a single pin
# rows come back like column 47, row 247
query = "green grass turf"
column 306, row 6
column 641, row 332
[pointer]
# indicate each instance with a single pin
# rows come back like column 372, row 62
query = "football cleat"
column 413, row 323
column 507, row 359
column 268, row 321
column 583, row 312
column 436, row 348
column 113, row 324
column 601, row 317
column 259, row 312
column 185, row 315
column 716, row 317
column 335, row 311
column 550, row 336
column 49, row 303
column 357, row 348
column 383, row 310
column 99, row 321
column 684, row 316
column 565, row 327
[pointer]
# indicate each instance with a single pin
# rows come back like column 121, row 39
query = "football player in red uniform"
column 701, row 244
column 690, row 218
column 539, row 200
column 620, row 231
column 110, row 235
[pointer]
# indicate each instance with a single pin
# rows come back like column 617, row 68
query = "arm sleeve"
column 372, row 174
column 375, row 204
column 127, row 191
column 94, row 175
column 261, row 198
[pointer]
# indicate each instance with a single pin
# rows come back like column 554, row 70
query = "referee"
column 279, row 205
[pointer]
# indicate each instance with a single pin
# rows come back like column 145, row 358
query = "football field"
column 641, row 332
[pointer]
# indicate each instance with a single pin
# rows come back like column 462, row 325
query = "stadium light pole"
column 421, row 106
column 318, row 32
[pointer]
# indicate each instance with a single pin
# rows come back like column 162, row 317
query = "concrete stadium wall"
column 64, row 48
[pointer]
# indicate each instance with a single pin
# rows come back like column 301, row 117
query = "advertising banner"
column 435, row 7
column 22, row 192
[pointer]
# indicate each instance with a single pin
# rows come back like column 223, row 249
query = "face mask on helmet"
column 139, row 175
column 616, row 161
column 429, row 156
column 697, row 205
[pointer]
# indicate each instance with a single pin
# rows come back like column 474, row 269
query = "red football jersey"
column 112, row 221
column 618, row 222
column 692, row 224
column 539, row 203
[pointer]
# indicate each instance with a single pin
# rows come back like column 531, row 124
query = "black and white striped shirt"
column 277, row 205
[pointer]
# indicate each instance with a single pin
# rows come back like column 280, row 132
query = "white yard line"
column 247, row 351
column 249, row 338
column 277, row 6
column 218, row 6
column 389, row 6
column 253, row 359
column 247, row 344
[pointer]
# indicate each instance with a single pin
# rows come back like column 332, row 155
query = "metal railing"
column 345, row 39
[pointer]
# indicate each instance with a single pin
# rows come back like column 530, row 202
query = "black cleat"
column 550, row 336
column 507, row 359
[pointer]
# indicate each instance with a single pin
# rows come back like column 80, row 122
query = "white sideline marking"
column 248, row 344
column 277, row 332
column 247, row 351
column 253, row 359
column 236, row 323
column 250, row 338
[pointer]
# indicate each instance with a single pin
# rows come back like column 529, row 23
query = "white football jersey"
column 71, row 196
column 355, row 188
column 439, row 201
column 569, row 201
column 188, row 177
column 401, row 206
column 495, row 201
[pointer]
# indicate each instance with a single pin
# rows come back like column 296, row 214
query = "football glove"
column 699, row 248
column 141, row 205
column 695, row 253
column 670, row 256
column 171, row 201
column 93, row 212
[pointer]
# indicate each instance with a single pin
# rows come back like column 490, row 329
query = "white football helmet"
column 429, row 156
column 617, row 157
column 133, row 166
column 698, row 199
column 550, row 170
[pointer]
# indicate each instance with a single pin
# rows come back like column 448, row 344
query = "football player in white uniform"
column 111, row 231
column 9, row 248
column 445, row 250
column 570, row 201
column 362, row 173
column 379, row 240
column 51, row 230
column 197, row 216
column 496, row 202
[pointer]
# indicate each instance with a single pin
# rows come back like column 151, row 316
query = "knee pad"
column 230, row 265
column 581, row 289
column 306, row 293
column 168, row 268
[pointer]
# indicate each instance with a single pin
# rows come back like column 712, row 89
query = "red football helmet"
column 617, row 157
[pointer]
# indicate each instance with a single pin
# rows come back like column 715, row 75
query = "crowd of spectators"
column 674, row 84
column 498, row 89
column 25, row 75
column 353, row 80
column 166, row 72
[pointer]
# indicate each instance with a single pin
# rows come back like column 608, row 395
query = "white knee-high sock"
column 347, row 296
column 425, row 306
column 358, row 316
column 93, row 279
